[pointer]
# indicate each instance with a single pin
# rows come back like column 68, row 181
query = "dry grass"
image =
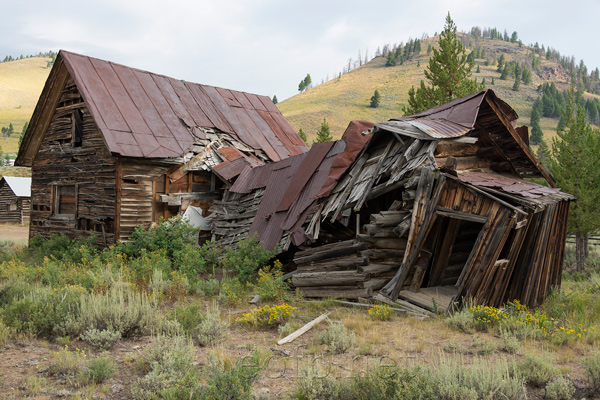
column 21, row 83
column 341, row 100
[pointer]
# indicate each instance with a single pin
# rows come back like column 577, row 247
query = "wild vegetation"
column 147, row 319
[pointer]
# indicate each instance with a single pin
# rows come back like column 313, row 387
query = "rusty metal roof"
column 142, row 114
column 509, row 184
column 293, row 185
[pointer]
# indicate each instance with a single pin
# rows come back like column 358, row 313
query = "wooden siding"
column 20, row 214
column 90, row 167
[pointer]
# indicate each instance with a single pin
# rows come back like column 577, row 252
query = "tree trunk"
column 579, row 251
column 586, row 246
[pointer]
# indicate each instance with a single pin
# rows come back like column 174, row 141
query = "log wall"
column 8, row 200
column 90, row 167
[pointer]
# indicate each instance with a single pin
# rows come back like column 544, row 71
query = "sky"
column 268, row 46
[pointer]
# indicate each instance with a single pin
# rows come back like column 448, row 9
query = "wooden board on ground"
column 425, row 297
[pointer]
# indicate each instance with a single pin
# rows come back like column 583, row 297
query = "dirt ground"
column 17, row 233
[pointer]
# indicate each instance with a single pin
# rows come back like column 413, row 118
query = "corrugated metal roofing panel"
column 507, row 183
column 124, row 101
column 440, row 129
column 20, row 186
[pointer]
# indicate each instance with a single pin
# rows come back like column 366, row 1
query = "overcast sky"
column 268, row 46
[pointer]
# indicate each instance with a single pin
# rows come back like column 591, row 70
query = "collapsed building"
column 428, row 210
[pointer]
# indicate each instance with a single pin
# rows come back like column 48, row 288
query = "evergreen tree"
column 323, row 134
column 375, row 99
column 447, row 74
column 483, row 82
column 517, row 85
column 307, row 81
column 526, row 76
column 478, row 69
column 275, row 101
column 301, row 86
column 302, row 135
column 493, row 82
column 11, row 129
column 575, row 165
column 391, row 59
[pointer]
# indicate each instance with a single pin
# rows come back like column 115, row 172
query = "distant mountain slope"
column 348, row 97
column 21, row 83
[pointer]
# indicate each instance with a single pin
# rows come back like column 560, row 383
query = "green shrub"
column 229, row 380
column 509, row 343
column 482, row 346
column 484, row 379
column 232, row 291
column 41, row 311
column 270, row 285
column 101, row 340
column 337, row 338
column 172, row 236
column 67, row 362
column 206, row 287
column 189, row 316
column 100, row 369
column 536, row 370
column 462, row 320
column 559, row 389
column 142, row 267
column 212, row 330
column 119, row 310
column 171, row 373
column 246, row 258
column 267, row 316
column 380, row 312
column 61, row 247
column 314, row 384
column 591, row 366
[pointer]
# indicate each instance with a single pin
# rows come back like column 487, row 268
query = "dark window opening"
column 65, row 200
column 77, row 128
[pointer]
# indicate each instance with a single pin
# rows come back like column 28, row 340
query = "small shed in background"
column 15, row 198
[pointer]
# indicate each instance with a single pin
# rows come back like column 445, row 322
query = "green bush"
column 246, row 258
column 212, row 330
column 270, row 285
column 229, row 380
column 591, row 366
column 337, row 338
column 171, row 373
column 61, row 247
column 560, row 389
column 100, row 369
column 102, row 340
column 172, row 236
column 536, row 370
column 41, row 311
column 189, row 316
column 314, row 384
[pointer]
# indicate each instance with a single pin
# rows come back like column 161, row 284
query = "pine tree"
column 275, row 101
column 483, row 82
column 307, row 81
column 301, row 86
column 517, row 85
column 478, row 69
column 493, row 82
column 302, row 135
column 375, row 99
column 447, row 73
column 323, row 134
column 575, row 165
column 526, row 76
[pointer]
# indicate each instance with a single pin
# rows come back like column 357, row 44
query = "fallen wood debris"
column 293, row 336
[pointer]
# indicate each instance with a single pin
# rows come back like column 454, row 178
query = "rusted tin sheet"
column 293, row 185
column 134, row 108
column 507, row 183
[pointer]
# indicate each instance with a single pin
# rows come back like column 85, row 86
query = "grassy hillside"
column 21, row 83
column 343, row 99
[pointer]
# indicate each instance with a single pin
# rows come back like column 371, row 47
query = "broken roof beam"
column 522, row 144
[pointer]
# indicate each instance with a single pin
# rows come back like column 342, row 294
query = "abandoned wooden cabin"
column 426, row 210
column 112, row 147
column 15, row 193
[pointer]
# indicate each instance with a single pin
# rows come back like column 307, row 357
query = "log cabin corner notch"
column 429, row 206
column 112, row 147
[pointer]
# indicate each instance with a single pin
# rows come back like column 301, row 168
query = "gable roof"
column 141, row 114
column 21, row 187
column 481, row 112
